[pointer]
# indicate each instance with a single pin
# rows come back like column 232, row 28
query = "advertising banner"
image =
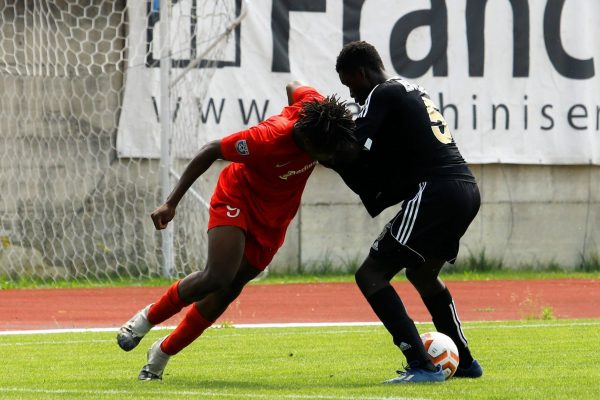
column 517, row 81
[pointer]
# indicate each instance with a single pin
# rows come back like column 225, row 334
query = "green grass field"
column 522, row 360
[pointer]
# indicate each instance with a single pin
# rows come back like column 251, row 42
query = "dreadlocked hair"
column 327, row 124
column 358, row 54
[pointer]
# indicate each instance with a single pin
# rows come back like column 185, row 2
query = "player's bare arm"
column 207, row 155
column 290, row 88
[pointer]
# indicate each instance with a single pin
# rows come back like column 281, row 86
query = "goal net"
column 71, row 206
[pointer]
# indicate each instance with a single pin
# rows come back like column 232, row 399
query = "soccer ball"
column 442, row 351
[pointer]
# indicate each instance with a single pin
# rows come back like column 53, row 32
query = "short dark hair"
column 358, row 54
column 326, row 124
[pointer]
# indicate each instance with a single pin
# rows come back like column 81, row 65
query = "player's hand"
column 162, row 216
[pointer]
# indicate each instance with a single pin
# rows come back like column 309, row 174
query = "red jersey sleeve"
column 254, row 142
column 236, row 147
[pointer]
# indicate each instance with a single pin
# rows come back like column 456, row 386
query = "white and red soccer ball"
column 442, row 351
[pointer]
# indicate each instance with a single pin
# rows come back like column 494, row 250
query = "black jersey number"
column 439, row 126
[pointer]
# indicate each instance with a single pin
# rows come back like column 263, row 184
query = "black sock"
column 389, row 308
column 445, row 318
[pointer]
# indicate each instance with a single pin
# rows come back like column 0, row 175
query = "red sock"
column 186, row 332
column 167, row 306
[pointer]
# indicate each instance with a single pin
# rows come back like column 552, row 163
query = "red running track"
column 25, row 309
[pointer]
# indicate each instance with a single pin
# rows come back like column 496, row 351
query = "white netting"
column 188, row 86
column 69, row 206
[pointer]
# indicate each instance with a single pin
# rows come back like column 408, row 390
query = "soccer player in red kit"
column 256, row 197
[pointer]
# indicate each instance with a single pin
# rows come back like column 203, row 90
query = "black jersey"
column 406, row 141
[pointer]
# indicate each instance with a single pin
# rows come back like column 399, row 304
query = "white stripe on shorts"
column 410, row 216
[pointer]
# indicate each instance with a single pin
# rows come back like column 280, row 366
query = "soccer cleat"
column 418, row 375
column 473, row 371
column 133, row 331
column 157, row 361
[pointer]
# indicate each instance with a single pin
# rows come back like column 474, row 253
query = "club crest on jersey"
column 242, row 147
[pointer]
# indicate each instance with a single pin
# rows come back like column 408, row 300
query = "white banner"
column 518, row 81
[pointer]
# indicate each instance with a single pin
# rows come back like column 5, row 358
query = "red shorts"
column 261, row 242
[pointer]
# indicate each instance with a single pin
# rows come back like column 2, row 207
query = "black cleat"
column 474, row 371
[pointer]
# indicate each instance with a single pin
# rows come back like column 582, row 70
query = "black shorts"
column 429, row 225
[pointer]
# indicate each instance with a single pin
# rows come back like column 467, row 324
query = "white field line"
column 199, row 394
column 469, row 325
column 217, row 326
column 230, row 334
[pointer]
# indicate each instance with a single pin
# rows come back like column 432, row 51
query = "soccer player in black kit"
column 401, row 151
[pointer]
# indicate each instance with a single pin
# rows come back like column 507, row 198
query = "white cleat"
column 157, row 361
column 134, row 330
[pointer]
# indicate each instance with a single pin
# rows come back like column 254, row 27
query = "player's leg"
column 134, row 330
column 199, row 317
column 225, row 253
column 445, row 212
column 439, row 302
column 373, row 277
column 204, row 312
column 214, row 298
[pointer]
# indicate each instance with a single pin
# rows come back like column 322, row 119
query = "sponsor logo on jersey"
column 283, row 164
column 242, row 147
column 297, row 172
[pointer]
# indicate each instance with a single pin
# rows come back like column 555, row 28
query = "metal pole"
column 165, row 132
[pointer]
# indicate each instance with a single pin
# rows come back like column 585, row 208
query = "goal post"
column 185, row 243
column 73, row 206
column 165, row 130
column 208, row 46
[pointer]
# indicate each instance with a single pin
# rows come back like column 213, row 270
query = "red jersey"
column 267, row 175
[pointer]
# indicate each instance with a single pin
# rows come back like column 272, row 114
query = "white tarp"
column 531, row 100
